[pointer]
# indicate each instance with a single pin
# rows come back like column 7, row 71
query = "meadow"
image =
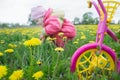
column 24, row 57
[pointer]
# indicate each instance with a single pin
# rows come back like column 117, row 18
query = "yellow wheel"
column 89, row 62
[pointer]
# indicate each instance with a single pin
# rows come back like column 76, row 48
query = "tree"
column 76, row 20
column 87, row 18
column 118, row 21
column 96, row 20
column 4, row 25
column 31, row 22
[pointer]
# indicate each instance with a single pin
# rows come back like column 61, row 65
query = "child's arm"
column 43, row 35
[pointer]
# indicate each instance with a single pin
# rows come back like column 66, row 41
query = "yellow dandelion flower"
column 49, row 39
column 1, row 54
column 91, row 41
column 75, row 42
column 27, row 43
column 118, row 31
column 53, row 39
column 2, row 41
column 12, row 45
column 39, row 63
column 9, row 51
column 38, row 75
column 77, row 39
column 36, row 41
column 83, row 37
column 59, row 49
column 81, row 33
column 64, row 38
column 32, row 42
column 16, row 75
column 3, row 71
column 60, row 34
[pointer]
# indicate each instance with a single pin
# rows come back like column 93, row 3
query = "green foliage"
column 31, row 22
column 76, row 20
column 87, row 18
column 118, row 21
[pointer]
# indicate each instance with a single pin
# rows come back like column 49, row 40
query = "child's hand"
column 42, row 37
column 39, row 21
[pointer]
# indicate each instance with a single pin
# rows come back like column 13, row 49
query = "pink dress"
column 53, row 28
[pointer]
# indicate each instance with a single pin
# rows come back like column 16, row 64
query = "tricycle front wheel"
column 87, row 61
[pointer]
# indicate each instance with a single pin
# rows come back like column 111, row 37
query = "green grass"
column 55, row 65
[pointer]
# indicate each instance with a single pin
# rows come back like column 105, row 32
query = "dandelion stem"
column 31, row 57
column 55, row 68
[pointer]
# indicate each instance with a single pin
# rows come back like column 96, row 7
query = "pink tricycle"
column 90, row 56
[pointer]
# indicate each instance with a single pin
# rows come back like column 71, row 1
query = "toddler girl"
column 54, row 25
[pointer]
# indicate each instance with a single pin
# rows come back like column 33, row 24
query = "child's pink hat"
column 37, row 12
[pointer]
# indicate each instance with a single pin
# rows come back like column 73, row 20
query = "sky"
column 17, row 11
